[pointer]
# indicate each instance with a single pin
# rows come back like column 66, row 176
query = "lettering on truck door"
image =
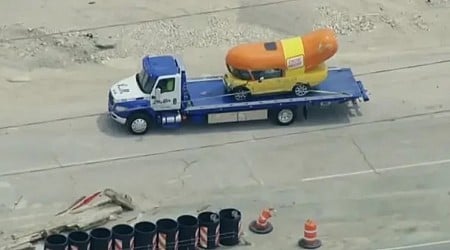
column 168, row 100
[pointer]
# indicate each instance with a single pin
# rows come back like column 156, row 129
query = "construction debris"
column 86, row 213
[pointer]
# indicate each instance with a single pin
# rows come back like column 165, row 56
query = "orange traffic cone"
column 262, row 224
column 310, row 240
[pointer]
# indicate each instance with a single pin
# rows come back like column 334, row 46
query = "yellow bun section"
column 307, row 51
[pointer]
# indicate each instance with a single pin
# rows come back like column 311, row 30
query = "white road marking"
column 435, row 243
column 379, row 170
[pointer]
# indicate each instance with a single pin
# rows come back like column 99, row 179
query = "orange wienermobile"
column 293, row 64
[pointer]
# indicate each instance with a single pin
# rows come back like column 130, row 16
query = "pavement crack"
column 17, row 202
column 364, row 156
column 93, row 162
column 252, row 174
column 187, row 164
column 182, row 175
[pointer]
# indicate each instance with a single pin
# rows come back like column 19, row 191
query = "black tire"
column 241, row 94
column 283, row 116
column 138, row 123
column 301, row 89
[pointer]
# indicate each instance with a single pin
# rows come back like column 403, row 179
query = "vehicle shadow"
column 109, row 127
column 317, row 116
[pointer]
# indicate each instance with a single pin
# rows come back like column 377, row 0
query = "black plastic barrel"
column 187, row 232
column 144, row 235
column 100, row 239
column 56, row 242
column 78, row 240
column 208, row 223
column 230, row 226
column 167, row 230
column 123, row 237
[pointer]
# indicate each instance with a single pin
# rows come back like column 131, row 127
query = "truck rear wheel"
column 284, row 117
column 138, row 123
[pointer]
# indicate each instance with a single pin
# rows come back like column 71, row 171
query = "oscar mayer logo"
column 295, row 62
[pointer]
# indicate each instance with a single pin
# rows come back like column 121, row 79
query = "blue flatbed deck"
column 209, row 95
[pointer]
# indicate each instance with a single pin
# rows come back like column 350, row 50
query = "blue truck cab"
column 153, row 92
column 162, row 95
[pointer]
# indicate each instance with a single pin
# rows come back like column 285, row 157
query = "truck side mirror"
column 158, row 94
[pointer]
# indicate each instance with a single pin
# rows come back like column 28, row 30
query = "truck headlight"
column 121, row 108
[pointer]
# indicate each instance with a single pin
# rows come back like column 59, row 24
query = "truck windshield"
column 238, row 73
column 145, row 82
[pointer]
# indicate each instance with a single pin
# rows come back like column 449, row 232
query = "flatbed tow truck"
column 162, row 95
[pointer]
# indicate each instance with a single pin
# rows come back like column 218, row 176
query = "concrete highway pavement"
column 372, row 180
column 438, row 245
column 396, row 94
column 373, row 185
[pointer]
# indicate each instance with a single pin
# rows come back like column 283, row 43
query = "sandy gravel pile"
column 218, row 30
column 155, row 37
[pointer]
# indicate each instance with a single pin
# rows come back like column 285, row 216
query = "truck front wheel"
column 138, row 123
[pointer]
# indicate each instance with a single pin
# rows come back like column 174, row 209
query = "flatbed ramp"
column 209, row 95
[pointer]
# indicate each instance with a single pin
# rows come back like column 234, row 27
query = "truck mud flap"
column 363, row 91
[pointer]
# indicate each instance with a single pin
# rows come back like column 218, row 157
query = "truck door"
column 167, row 94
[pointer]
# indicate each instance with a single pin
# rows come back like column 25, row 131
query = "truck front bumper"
column 113, row 115
column 117, row 118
